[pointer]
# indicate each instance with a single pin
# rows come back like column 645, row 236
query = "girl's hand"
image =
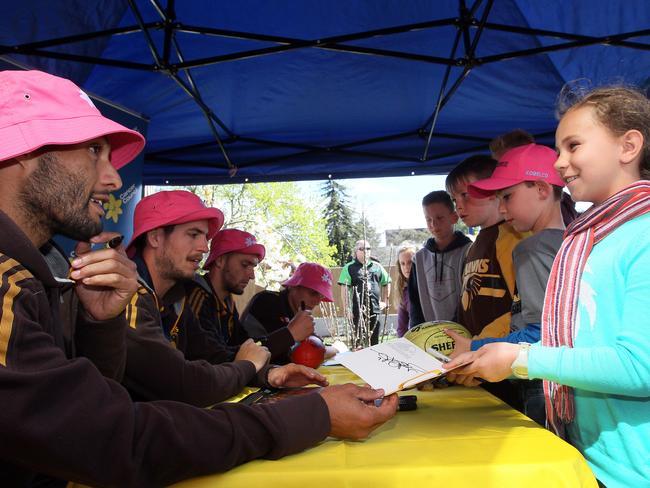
column 492, row 362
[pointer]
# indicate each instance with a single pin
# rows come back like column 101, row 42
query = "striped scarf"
column 561, row 299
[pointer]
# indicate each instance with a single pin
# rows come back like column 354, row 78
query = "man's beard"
column 231, row 285
column 56, row 201
column 168, row 270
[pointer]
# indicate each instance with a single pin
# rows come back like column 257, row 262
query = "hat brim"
column 214, row 216
column 255, row 250
column 326, row 297
column 488, row 187
column 29, row 136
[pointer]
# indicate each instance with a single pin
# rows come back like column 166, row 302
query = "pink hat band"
column 38, row 109
column 234, row 241
column 170, row 208
column 315, row 277
column 531, row 162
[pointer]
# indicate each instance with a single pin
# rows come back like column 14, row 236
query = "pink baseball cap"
column 38, row 109
column 234, row 240
column 315, row 277
column 169, row 208
column 531, row 162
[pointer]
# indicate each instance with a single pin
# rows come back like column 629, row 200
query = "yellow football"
column 432, row 335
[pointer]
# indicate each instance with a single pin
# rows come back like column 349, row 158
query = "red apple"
column 309, row 352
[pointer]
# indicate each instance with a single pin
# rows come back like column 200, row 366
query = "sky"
column 389, row 203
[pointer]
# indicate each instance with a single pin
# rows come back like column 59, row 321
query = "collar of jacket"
column 15, row 244
column 459, row 240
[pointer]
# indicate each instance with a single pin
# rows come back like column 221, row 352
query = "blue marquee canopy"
column 263, row 90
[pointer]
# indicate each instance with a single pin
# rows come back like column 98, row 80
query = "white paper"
column 392, row 365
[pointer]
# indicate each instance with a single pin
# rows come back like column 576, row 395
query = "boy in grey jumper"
column 435, row 282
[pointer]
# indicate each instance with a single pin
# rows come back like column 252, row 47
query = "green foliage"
column 295, row 220
column 396, row 237
column 460, row 225
column 338, row 221
column 277, row 211
column 363, row 229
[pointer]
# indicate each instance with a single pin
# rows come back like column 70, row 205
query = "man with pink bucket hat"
column 234, row 255
column 169, row 355
column 270, row 311
column 62, row 418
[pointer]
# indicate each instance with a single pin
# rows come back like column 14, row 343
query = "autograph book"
column 394, row 365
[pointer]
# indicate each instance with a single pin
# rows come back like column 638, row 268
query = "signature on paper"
column 391, row 361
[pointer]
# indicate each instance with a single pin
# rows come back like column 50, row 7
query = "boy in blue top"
column 530, row 193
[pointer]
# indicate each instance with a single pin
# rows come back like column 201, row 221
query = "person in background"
column 405, row 263
column 503, row 143
column 268, row 311
column 61, row 415
column 435, row 283
column 594, row 356
column 529, row 191
column 365, row 288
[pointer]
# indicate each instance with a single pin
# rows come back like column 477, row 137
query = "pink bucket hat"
column 531, row 162
column 170, row 208
column 38, row 109
column 234, row 240
column 315, row 277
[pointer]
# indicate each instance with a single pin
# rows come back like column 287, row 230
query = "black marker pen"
column 115, row 242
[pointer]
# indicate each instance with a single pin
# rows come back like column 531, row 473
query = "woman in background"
column 405, row 260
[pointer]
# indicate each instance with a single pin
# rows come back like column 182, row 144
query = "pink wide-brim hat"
column 315, row 277
column 234, row 240
column 38, row 109
column 531, row 162
column 170, row 208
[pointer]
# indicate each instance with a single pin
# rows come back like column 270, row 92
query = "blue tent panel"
column 284, row 90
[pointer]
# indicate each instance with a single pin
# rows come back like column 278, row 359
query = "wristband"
column 520, row 364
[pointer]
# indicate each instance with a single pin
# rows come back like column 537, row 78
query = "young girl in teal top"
column 594, row 356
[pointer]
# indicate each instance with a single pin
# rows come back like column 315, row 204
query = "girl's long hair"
column 402, row 280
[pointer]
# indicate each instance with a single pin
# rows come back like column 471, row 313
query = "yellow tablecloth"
column 457, row 437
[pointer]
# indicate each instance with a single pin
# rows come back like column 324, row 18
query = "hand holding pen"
column 301, row 325
column 106, row 278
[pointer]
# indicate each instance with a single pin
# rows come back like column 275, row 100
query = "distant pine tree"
column 369, row 233
column 338, row 220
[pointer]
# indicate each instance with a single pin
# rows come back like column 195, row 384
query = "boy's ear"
column 631, row 144
column 544, row 190
column 454, row 217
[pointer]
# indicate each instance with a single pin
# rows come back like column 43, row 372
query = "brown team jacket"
column 174, row 358
column 62, row 419
column 489, row 282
